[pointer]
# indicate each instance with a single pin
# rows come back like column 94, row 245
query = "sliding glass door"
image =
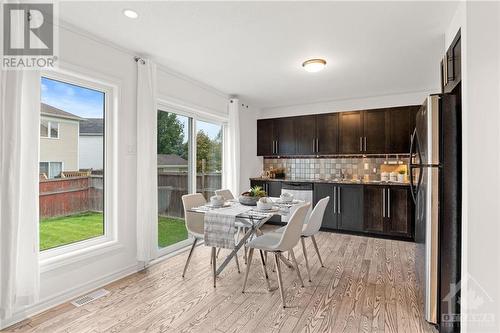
column 208, row 158
column 174, row 176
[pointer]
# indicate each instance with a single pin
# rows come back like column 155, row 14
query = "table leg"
column 250, row 232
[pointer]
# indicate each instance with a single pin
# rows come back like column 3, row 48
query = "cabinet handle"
column 335, row 200
column 339, row 200
column 360, row 143
column 445, row 68
column 313, row 146
column 365, row 142
column 383, row 202
column 277, row 147
column 317, row 145
column 389, row 203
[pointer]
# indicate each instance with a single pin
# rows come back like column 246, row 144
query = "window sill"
column 67, row 255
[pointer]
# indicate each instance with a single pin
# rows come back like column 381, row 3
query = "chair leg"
column 303, row 241
column 214, row 265
column 237, row 262
column 280, row 281
column 218, row 251
column 317, row 251
column 265, row 270
column 292, row 255
column 250, row 254
column 189, row 257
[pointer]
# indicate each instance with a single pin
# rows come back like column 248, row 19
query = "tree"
column 208, row 152
column 171, row 135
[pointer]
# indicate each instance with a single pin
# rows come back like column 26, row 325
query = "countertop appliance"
column 300, row 191
column 435, row 178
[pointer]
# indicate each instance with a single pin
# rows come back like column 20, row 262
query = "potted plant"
column 251, row 197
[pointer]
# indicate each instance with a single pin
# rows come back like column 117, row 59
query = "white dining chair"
column 226, row 194
column 194, row 221
column 310, row 229
column 277, row 244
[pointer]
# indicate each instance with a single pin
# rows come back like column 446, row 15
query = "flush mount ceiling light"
column 314, row 65
column 130, row 13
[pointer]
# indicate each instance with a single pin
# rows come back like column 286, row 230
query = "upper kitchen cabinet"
column 401, row 122
column 285, row 136
column 374, row 131
column 451, row 65
column 306, row 135
column 327, row 137
column 266, row 138
column 351, row 132
column 275, row 137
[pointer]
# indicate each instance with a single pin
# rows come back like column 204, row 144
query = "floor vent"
column 86, row 299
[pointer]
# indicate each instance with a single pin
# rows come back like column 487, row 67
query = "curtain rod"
column 139, row 59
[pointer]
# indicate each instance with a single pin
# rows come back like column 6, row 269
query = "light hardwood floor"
column 368, row 285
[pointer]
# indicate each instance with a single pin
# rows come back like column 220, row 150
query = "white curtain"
column 19, row 146
column 147, row 209
column 231, row 167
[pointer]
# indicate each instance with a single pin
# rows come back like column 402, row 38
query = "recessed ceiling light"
column 130, row 13
column 314, row 65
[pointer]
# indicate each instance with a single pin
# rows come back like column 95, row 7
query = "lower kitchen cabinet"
column 388, row 210
column 322, row 191
column 345, row 208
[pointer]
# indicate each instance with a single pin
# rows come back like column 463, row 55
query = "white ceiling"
column 255, row 49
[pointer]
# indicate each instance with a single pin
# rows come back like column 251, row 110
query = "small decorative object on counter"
column 401, row 176
column 251, row 197
column 393, row 177
column 264, row 204
column 384, row 176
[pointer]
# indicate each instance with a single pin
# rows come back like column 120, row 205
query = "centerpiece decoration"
column 251, row 197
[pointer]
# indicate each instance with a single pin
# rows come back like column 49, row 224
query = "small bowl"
column 264, row 205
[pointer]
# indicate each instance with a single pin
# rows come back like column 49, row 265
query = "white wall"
column 251, row 165
column 480, row 23
column 90, row 150
column 350, row 104
column 79, row 50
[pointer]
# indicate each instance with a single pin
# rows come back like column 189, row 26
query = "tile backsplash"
column 330, row 168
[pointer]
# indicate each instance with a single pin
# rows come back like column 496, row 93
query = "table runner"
column 219, row 226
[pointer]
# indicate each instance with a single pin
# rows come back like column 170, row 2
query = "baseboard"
column 61, row 298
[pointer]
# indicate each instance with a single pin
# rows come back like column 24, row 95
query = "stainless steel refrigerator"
column 435, row 176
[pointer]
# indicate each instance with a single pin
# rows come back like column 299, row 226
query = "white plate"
column 294, row 201
column 223, row 206
column 272, row 210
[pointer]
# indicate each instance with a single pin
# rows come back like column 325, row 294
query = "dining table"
column 250, row 219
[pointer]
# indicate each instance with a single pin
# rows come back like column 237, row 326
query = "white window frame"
column 49, row 128
column 194, row 113
column 68, row 254
column 48, row 166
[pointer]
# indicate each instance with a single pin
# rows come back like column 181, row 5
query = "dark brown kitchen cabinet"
column 374, row 131
column 266, row 139
column 349, row 207
column 388, row 210
column 330, row 217
column 285, row 136
column 401, row 123
column 451, row 65
column 305, row 135
column 350, row 132
column 327, row 129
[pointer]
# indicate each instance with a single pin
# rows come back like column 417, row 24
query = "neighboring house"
column 171, row 162
column 91, row 143
column 58, row 141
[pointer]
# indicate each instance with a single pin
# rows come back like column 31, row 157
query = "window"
column 51, row 169
column 49, row 129
column 174, row 179
column 189, row 159
column 208, row 157
column 72, row 197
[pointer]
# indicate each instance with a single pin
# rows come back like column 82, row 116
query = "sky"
column 83, row 102
column 88, row 103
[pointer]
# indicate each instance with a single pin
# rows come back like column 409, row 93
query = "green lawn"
column 170, row 230
column 64, row 230
column 57, row 231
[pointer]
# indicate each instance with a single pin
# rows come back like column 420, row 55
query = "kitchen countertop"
column 333, row 181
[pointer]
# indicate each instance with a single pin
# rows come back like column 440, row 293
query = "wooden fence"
column 173, row 185
column 66, row 196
